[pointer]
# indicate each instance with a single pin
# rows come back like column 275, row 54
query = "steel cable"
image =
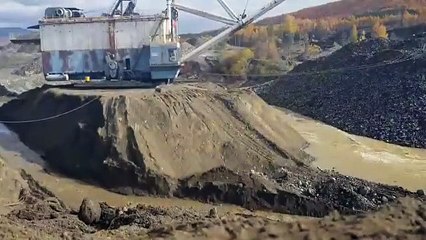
column 51, row 117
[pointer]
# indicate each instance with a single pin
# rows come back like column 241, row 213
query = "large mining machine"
column 122, row 48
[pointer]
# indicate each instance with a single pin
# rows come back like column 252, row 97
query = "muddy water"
column 361, row 157
column 72, row 192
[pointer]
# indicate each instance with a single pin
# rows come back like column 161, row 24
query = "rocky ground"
column 40, row 215
column 386, row 102
column 20, row 67
column 196, row 141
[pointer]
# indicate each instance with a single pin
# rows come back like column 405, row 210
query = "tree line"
column 268, row 43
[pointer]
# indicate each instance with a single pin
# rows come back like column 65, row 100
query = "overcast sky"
column 22, row 13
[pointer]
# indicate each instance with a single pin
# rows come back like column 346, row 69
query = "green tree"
column 354, row 34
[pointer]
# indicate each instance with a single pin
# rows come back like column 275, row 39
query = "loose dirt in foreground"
column 42, row 216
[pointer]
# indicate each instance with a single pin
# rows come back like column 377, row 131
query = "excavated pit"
column 197, row 141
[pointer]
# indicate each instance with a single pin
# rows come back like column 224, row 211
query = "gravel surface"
column 386, row 102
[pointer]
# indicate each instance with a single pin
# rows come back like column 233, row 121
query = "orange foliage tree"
column 379, row 30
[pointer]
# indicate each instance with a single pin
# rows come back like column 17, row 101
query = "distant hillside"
column 5, row 32
column 346, row 8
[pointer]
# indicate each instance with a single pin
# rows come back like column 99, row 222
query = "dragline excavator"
column 122, row 48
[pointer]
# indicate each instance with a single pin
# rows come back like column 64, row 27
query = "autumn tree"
column 306, row 25
column 290, row 24
column 322, row 28
column 379, row 30
column 237, row 63
column 354, row 34
column 261, row 50
column 405, row 18
column 267, row 50
column 289, row 29
column 261, row 34
column 421, row 15
column 270, row 30
column 245, row 36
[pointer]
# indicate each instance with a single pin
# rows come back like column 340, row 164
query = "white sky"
column 22, row 13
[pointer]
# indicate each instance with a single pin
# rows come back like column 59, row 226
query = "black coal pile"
column 4, row 92
column 297, row 191
column 375, row 88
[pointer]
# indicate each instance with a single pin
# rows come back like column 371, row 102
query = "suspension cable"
column 243, row 15
column 51, row 117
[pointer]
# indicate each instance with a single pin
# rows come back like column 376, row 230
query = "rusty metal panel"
column 85, row 61
column 73, row 61
column 79, row 46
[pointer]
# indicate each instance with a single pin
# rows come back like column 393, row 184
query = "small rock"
column 311, row 191
column 158, row 89
column 364, row 190
column 213, row 213
column 420, row 192
column 90, row 211
column 385, row 199
column 54, row 215
column 66, row 236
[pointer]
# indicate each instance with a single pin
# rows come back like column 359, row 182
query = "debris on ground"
column 402, row 220
column 20, row 67
column 47, row 218
column 30, row 69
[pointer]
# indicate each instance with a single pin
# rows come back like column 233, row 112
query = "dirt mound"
column 11, row 184
column 196, row 141
column 386, row 102
column 40, row 215
column 46, row 218
column 174, row 134
column 403, row 220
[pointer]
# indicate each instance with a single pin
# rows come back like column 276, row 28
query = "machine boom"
column 232, row 29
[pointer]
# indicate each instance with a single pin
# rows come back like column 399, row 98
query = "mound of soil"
column 46, row 219
column 196, row 141
column 403, row 220
column 386, row 102
column 11, row 184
